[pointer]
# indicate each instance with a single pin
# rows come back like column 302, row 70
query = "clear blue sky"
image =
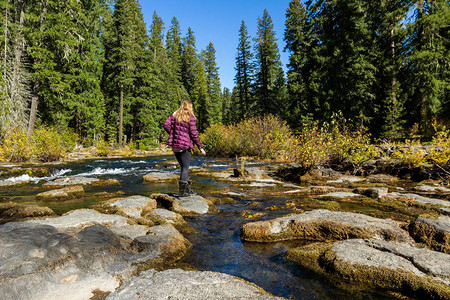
column 218, row 22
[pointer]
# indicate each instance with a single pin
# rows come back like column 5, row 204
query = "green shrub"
column 102, row 148
column 15, row 146
column 265, row 137
column 70, row 139
column 48, row 144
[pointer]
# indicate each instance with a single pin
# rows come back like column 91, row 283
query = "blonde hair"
column 183, row 114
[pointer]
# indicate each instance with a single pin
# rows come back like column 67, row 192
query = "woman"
column 182, row 129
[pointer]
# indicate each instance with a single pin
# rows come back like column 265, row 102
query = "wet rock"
column 32, row 172
column 418, row 198
column 63, row 181
column 163, row 216
column 61, row 194
column 434, row 232
column 341, row 195
column 186, row 206
column 399, row 267
column 13, row 211
column 188, row 285
column 77, row 220
column 160, row 177
column 347, row 179
column 376, row 192
column 432, row 189
column 323, row 224
column 133, row 206
column 161, row 243
column 320, row 189
column 7, row 184
column 79, row 254
column 382, row 178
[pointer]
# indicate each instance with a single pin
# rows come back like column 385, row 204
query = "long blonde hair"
column 183, row 114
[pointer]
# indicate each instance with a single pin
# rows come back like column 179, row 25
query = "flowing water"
column 216, row 242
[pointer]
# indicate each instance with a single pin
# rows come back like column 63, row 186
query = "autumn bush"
column 48, row 144
column 15, row 145
column 266, row 137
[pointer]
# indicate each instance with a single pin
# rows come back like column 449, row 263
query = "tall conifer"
column 244, row 76
column 269, row 76
column 213, row 83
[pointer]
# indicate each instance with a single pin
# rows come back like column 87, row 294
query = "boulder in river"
column 434, row 232
column 372, row 263
column 61, row 194
column 160, row 177
column 14, row 212
column 133, row 206
column 188, row 285
column 63, row 181
column 323, row 225
column 193, row 205
column 418, row 198
column 80, row 254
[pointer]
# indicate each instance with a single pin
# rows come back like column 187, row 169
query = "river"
column 216, row 242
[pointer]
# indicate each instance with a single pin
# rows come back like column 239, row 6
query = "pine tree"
column 174, row 48
column 429, row 62
column 127, row 59
column 227, row 111
column 297, row 36
column 243, row 80
column 213, row 83
column 269, row 77
column 189, row 62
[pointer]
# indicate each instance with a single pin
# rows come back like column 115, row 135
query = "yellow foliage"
column 15, row 146
column 48, row 144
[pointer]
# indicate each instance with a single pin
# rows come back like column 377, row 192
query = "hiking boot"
column 183, row 187
column 190, row 191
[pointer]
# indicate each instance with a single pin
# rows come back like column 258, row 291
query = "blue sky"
column 218, row 22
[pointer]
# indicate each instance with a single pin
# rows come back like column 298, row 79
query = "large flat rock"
column 79, row 254
column 186, row 206
column 133, row 206
column 377, row 264
column 419, row 199
column 323, row 224
column 188, row 285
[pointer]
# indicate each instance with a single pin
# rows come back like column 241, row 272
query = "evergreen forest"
column 94, row 68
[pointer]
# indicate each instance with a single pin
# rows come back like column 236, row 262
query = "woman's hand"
column 203, row 152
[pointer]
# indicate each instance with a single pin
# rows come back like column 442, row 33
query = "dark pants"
column 184, row 159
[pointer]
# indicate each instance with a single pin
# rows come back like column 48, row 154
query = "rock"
column 6, row 184
column 61, row 194
column 434, row 232
column 186, row 206
column 347, row 179
column 320, row 189
column 63, row 181
column 241, row 173
column 12, row 211
column 82, row 255
column 342, row 195
column 77, row 220
column 162, row 243
column 445, row 211
column 382, row 178
column 432, row 189
column 160, row 177
column 418, row 198
column 379, row 264
column 376, row 192
column 188, row 285
column 133, row 206
column 323, row 224
column 163, row 216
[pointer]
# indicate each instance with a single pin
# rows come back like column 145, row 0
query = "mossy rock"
column 433, row 232
column 322, row 258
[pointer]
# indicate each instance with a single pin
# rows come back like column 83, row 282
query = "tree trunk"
column 121, row 117
column 34, row 107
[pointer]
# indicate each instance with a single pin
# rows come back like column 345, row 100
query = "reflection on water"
column 216, row 243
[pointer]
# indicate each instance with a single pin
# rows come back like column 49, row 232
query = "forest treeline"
column 93, row 67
